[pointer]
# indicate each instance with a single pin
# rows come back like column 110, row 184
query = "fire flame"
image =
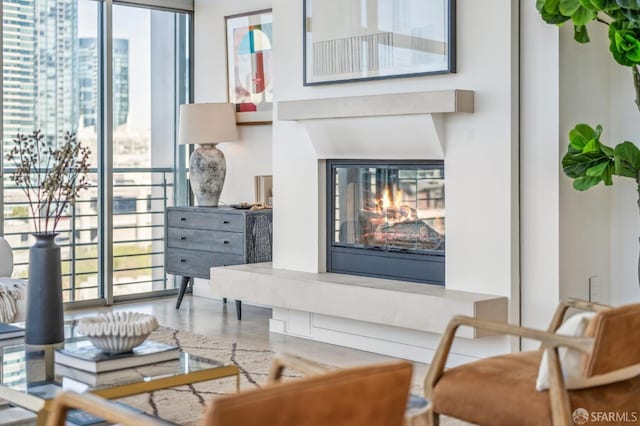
column 394, row 211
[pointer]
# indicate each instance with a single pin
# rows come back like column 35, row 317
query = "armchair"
column 372, row 396
column 501, row 390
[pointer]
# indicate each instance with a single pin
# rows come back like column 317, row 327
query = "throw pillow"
column 571, row 361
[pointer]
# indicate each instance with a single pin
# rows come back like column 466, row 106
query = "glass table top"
column 31, row 370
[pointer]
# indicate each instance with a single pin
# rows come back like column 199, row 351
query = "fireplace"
column 387, row 219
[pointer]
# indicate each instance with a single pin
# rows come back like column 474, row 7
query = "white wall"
column 625, row 221
column 252, row 155
column 584, row 216
column 539, row 168
column 480, row 165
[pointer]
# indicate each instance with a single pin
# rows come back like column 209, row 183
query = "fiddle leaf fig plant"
column 588, row 161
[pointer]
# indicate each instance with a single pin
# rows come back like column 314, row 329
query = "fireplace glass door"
column 387, row 219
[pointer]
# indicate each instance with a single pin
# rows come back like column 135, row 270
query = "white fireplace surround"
column 399, row 127
column 398, row 319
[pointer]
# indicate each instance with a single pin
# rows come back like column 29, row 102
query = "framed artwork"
column 352, row 40
column 249, row 66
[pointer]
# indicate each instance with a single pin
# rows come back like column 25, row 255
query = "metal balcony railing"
column 140, row 198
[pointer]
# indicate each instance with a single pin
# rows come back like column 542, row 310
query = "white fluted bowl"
column 118, row 332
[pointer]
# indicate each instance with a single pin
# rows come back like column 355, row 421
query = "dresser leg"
column 239, row 309
column 183, row 288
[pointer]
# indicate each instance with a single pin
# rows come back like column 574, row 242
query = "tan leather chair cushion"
column 371, row 396
column 501, row 391
column 617, row 345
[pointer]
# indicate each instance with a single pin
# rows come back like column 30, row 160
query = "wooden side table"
column 198, row 238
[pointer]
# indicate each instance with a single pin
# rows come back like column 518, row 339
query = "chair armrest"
column 559, row 398
column 563, row 307
column 286, row 361
column 548, row 339
column 97, row 406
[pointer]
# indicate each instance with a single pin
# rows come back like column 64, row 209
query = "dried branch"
column 49, row 189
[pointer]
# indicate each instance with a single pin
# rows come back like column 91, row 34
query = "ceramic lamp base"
column 207, row 170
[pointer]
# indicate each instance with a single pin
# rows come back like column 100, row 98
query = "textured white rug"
column 184, row 405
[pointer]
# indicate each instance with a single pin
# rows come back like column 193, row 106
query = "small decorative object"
column 51, row 179
column 119, row 332
column 264, row 189
column 588, row 161
column 207, row 125
column 366, row 40
column 249, row 65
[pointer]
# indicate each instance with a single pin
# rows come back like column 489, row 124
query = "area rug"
column 184, row 405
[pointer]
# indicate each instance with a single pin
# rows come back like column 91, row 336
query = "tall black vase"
column 45, row 315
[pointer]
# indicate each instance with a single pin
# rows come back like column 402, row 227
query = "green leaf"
column 588, row 4
column 569, row 7
column 598, row 169
column 583, row 16
column 629, row 153
column 592, row 146
column 607, row 175
column 605, row 5
column 608, row 151
column 629, row 4
column 623, row 169
column 552, row 6
column 575, row 165
column 585, row 183
column 580, row 135
column 580, row 34
column 540, row 5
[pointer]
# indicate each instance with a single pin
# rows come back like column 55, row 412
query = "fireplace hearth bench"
column 388, row 303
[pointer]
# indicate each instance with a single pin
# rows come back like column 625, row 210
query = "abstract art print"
column 350, row 40
column 249, row 65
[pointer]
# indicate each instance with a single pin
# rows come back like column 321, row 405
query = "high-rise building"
column 88, row 76
column 40, row 67
column 56, row 67
column 18, row 76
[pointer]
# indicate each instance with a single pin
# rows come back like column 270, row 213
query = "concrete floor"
column 214, row 318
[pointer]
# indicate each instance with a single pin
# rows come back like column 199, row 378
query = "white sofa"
column 14, row 289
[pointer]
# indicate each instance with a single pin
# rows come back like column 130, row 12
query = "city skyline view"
column 51, row 80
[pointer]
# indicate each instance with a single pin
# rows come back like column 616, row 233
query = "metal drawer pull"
column 225, row 222
column 225, row 242
column 183, row 219
column 183, row 260
column 182, row 238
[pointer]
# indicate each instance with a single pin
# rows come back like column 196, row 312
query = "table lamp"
column 207, row 125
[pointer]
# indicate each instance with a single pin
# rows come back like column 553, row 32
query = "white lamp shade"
column 206, row 124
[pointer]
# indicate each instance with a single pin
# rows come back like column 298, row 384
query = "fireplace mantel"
column 415, row 103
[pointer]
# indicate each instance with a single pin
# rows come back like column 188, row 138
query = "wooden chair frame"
column 550, row 342
column 115, row 414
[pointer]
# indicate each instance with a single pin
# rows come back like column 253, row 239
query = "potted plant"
column 51, row 179
column 588, row 161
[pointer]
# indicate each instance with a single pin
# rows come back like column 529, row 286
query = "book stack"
column 11, row 335
column 8, row 331
column 82, row 355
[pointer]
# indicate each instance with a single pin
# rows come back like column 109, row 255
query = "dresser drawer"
column 204, row 220
column 213, row 241
column 194, row 263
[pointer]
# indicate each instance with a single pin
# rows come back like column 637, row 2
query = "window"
column 54, row 79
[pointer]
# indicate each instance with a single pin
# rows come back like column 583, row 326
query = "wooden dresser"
column 198, row 238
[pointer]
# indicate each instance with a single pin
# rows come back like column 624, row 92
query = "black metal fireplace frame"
column 426, row 267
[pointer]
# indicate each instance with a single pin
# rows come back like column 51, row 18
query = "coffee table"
column 30, row 379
